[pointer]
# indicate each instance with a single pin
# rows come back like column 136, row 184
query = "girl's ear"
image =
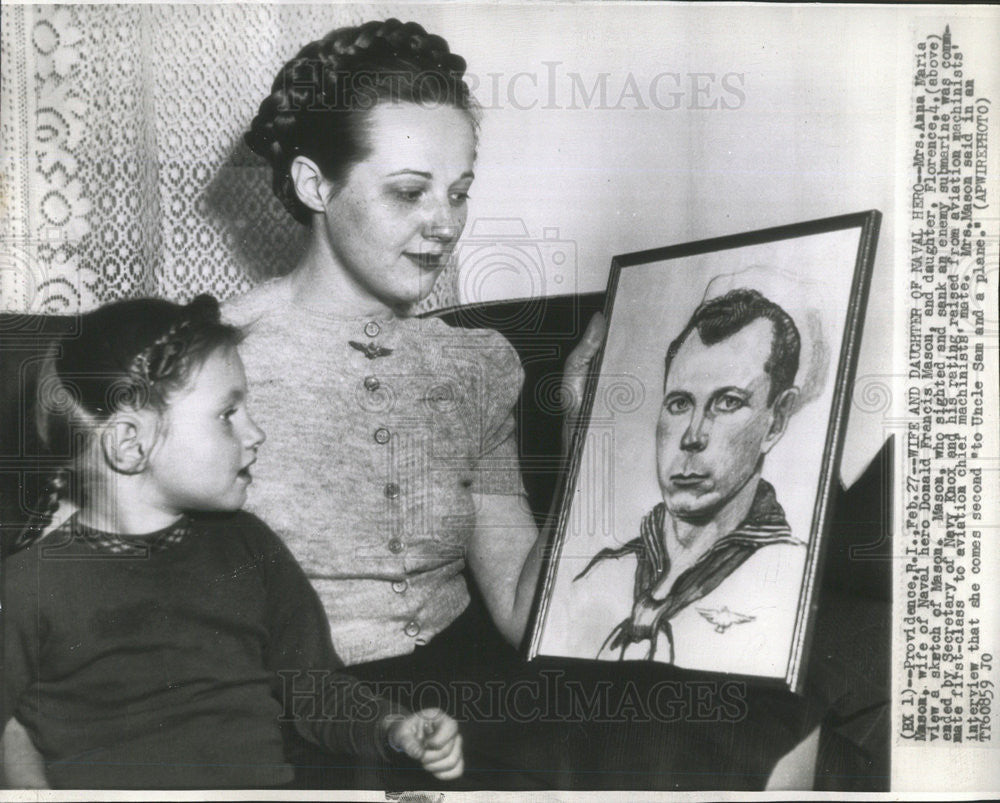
column 311, row 186
column 127, row 440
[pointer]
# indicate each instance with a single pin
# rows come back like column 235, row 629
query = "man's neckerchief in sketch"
column 764, row 525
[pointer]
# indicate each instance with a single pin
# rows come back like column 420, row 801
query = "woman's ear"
column 311, row 186
column 127, row 440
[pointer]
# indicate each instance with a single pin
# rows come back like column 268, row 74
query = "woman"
column 392, row 460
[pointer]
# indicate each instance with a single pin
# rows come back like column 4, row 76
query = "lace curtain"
column 123, row 170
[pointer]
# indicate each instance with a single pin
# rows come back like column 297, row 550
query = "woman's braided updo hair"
column 319, row 99
column 128, row 355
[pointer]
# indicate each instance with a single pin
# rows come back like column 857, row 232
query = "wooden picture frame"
column 693, row 513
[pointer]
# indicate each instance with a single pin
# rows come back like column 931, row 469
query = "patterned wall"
column 123, row 170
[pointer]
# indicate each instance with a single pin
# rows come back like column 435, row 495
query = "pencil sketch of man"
column 718, row 569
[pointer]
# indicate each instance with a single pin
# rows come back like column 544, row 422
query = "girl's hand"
column 575, row 375
column 21, row 765
column 431, row 737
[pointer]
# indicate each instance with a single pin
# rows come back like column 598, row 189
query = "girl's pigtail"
column 52, row 494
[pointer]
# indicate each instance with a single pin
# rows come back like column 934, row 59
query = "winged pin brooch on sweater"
column 370, row 350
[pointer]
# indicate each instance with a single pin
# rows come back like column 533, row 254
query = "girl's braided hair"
column 320, row 98
column 128, row 355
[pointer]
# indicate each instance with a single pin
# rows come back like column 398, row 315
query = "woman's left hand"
column 575, row 375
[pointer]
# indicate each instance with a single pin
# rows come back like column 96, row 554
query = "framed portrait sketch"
column 693, row 514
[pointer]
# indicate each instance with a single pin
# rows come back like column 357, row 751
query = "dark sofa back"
column 544, row 332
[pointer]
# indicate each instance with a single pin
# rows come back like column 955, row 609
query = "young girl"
column 160, row 637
